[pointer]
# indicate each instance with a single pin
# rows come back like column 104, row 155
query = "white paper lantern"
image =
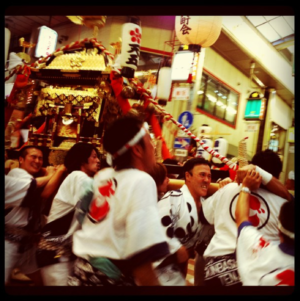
column 130, row 50
column 7, row 41
column 201, row 152
column 164, row 85
column 198, row 30
column 221, row 147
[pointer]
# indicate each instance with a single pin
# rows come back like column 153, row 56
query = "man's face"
column 198, row 180
column 149, row 154
column 92, row 166
column 33, row 161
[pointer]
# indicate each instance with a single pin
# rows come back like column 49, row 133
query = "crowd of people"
column 118, row 225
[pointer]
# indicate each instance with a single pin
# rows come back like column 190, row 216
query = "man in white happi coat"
column 262, row 262
column 121, row 233
column 23, row 189
column 179, row 217
column 219, row 210
column 54, row 252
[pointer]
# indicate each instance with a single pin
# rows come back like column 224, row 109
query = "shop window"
column 217, row 99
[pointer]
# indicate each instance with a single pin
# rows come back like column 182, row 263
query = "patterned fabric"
column 84, row 274
column 221, row 271
column 219, row 210
column 261, row 262
column 179, row 218
column 131, row 226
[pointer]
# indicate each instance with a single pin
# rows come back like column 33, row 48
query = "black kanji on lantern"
column 185, row 21
column 133, row 58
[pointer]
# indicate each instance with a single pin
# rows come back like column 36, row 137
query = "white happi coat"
column 219, row 210
column 132, row 223
column 261, row 262
column 14, row 195
column 179, row 218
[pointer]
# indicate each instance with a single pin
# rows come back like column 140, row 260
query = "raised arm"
column 251, row 182
column 55, row 181
column 270, row 183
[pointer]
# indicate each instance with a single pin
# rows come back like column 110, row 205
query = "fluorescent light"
column 219, row 103
column 200, row 92
column 211, row 98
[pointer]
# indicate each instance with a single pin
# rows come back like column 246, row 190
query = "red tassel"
column 157, row 132
column 117, row 86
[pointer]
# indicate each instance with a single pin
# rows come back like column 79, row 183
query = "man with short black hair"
column 121, row 233
column 23, row 212
column 179, row 217
column 54, row 253
column 219, row 210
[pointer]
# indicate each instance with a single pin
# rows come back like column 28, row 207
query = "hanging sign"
column 181, row 152
column 181, row 93
column 46, row 42
column 186, row 119
column 182, row 142
column 251, row 127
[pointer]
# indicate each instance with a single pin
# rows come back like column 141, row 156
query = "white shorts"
column 170, row 275
column 24, row 261
column 57, row 274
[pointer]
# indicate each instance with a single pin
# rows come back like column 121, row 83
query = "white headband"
column 139, row 135
column 285, row 231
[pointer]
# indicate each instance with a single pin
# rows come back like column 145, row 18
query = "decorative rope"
column 59, row 51
column 242, row 153
column 146, row 96
column 72, row 45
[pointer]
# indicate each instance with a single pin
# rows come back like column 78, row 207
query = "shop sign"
column 181, row 93
column 251, row 127
column 181, row 152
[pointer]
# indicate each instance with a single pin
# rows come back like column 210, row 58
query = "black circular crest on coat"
column 166, row 220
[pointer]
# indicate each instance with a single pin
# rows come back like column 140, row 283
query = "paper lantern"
column 130, row 51
column 204, row 131
column 198, row 30
column 221, row 147
column 7, row 41
column 201, row 152
column 164, row 85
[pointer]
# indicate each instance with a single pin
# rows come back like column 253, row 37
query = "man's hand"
column 50, row 170
column 242, row 172
column 252, row 180
column 224, row 182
